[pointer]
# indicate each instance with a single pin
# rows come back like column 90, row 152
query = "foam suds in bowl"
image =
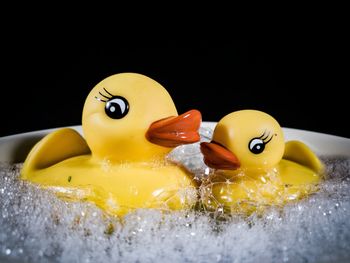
column 36, row 226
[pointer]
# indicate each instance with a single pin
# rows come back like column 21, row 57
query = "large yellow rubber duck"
column 254, row 167
column 130, row 124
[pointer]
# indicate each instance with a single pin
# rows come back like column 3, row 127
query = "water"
column 36, row 226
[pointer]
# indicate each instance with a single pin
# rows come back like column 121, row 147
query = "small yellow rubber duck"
column 255, row 168
column 130, row 124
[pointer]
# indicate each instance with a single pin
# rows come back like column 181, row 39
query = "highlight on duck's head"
column 119, row 112
column 246, row 139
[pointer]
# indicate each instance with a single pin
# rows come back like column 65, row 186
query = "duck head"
column 131, row 117
column 247, row 139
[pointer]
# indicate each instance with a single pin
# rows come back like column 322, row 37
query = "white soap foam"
column 36, row 226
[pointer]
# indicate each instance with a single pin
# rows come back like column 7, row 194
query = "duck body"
column 119, row 188
column 130, row 124
column 254, row 167
column 247, row 191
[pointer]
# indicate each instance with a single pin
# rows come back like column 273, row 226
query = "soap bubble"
column 36, row 226
column 190, row 155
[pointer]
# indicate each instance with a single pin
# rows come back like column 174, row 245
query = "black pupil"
column 257, row 147
column 117, row 107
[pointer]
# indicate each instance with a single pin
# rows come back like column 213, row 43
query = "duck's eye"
column 117, row 107
column 256, row 145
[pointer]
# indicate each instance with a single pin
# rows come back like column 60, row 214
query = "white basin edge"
column 14, row 148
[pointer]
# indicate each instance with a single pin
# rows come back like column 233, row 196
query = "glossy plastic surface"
column 261, row 170
column 115, row 164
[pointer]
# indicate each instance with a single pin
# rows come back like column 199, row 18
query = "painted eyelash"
column 106, row 97
column 267, row 136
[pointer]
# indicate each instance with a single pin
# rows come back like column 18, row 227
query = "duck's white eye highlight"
column 117, row 107
column 256, row 145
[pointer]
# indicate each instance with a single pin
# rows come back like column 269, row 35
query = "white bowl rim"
column 323, row 144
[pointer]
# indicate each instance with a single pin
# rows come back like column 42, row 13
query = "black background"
column 299, row 82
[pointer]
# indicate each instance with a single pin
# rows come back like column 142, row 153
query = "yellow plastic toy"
column 255, row 168
column 130, row 124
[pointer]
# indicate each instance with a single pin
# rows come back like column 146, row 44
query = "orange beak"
column 219, row 157
column 175, row 131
